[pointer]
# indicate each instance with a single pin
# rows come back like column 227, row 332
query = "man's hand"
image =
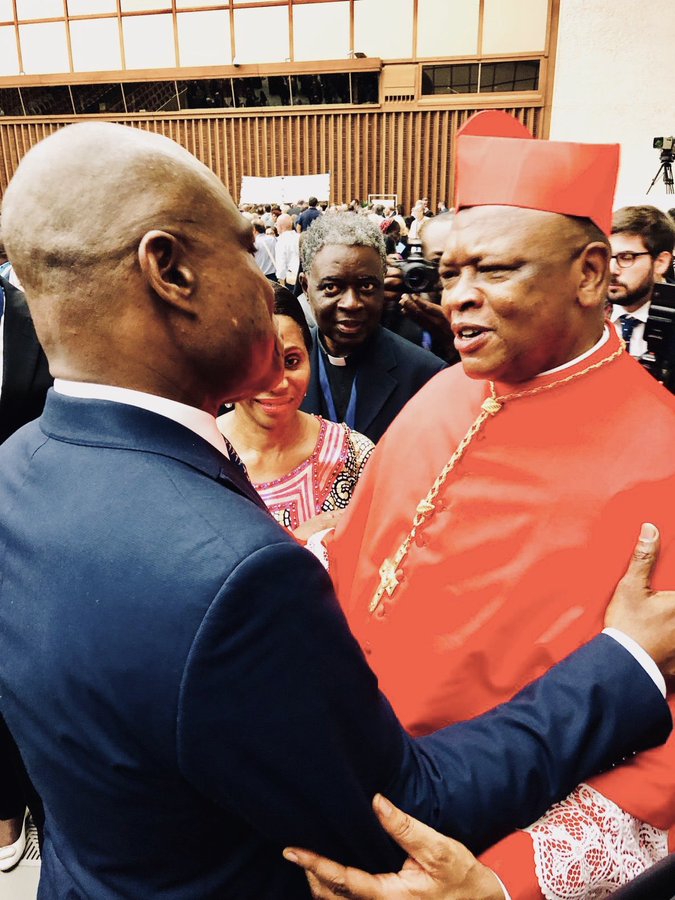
column 317, row 523
column 437, row 867
column 428, row 315
column 645, row 615
column 421, row 308
column 393, row 279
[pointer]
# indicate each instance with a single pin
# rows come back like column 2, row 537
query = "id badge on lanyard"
column 350, row 415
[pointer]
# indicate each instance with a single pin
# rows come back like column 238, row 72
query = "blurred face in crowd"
column 433, row 236
column 345, row 287
column 284, row 223
column 394, row 230
column 276, row 406
column 632, row 287
column 519, row 300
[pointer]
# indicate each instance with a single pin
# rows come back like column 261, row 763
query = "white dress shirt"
column 287, row 257
column 638, row 344
column 265, row 245
column 202, row 423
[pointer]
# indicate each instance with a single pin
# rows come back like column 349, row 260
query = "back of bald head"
column 82, row 199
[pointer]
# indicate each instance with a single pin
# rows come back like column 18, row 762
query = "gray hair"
column 341, row 228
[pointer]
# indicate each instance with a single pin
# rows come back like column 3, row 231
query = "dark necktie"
column 628, row 324
column 239, row 476
column 235, row 459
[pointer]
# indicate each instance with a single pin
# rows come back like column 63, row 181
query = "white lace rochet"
column 586, row 847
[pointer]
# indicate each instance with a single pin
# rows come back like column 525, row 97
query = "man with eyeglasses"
column 642, row 242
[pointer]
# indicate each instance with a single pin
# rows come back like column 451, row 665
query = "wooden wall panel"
column 406, row 152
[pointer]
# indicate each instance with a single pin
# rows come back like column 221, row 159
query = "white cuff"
column 640, row 655
column 316, row 546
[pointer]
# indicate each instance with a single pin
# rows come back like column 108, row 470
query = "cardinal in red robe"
column 489, row 531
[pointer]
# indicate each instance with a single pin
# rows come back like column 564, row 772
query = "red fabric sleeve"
column 513, row 861
column 644, row 786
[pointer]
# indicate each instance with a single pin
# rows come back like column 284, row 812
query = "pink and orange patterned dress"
column 323, row 482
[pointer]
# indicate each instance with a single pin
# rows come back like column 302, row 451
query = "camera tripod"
column 667, row 157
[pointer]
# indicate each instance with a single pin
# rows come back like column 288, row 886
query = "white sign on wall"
column 284, row 188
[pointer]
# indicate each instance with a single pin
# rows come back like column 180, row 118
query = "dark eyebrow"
column 514, row 264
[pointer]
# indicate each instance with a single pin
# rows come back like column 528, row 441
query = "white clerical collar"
column 197, row 420
column 568, row 365
column 641, row 313
column 333, row 360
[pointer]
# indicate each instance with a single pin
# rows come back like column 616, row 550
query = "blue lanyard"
column 350, row 415
column 2, row 301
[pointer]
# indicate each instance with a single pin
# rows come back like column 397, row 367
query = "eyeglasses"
column 625, row 260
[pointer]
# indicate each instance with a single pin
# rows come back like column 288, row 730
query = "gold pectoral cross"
column 388, row 582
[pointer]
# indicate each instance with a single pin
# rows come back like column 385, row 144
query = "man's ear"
column 594, row 268
column 663, row 262
column 165, row 267
column 302, row 278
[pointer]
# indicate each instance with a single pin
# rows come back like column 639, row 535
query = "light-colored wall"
column 614, row 83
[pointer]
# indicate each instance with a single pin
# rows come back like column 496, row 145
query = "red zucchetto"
column 554, row 176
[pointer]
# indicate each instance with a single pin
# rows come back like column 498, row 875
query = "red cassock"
column 514, row 570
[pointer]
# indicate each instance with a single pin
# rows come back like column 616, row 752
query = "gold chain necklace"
column 391, row 569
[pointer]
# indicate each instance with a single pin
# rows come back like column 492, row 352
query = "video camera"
column 419, row 275
column 665, row 144
column 659, row 334
column 667, row 157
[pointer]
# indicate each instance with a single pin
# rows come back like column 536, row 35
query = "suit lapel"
column 312, row 402
column 102, row 423
column 234, row 475
column 376, row 380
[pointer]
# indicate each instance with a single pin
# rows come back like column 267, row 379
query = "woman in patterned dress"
column 302, row 466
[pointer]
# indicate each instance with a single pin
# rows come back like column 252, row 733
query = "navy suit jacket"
column 657, row 883
column 188, row 699
column 390, row 373
column 25, row 371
